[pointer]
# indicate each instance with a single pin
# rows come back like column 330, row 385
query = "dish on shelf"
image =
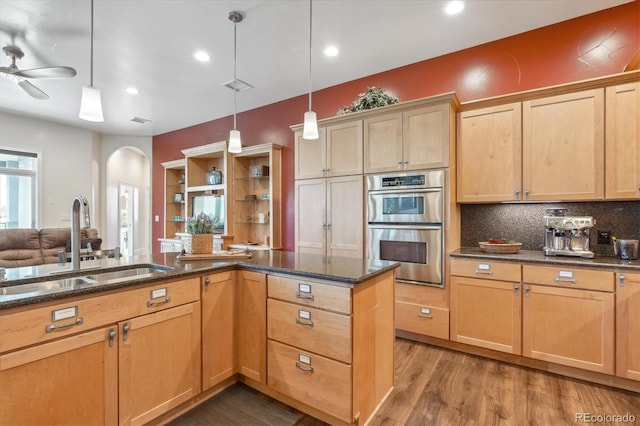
column 504, row 247
column 249, row 243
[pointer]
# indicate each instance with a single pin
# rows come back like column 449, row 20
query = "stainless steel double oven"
column 405, row 214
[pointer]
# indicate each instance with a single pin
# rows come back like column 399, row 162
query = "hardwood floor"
column 436, row 386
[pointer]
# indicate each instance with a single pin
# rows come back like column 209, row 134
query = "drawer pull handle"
column 565, row 280
column 425, row 313
column 484, row 272
column 429, row 316
column 300, row 366
column 304, row 322
column 308, row 297
column 51, row 327
column 151, row 304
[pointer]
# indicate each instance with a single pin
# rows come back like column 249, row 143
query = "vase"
column 201, row 243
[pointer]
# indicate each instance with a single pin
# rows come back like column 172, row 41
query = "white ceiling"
column 149, row 44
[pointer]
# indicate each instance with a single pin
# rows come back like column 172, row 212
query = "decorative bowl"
column 502, row 248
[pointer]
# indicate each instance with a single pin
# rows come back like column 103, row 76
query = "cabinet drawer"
column 569, row 277
column 310, row 293
column 41, row 324
column 426, row 320
column 314, row 330
column 482, row 268
column 312, row 379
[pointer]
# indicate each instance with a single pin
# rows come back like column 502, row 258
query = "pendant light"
column 91, row 104
column 310, row 129
column 235, row 144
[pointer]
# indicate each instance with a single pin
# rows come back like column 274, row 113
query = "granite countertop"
column 340, row 270
column 538, row 257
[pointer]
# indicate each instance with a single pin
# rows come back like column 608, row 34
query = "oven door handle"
column 403, row 191
column 400, row 227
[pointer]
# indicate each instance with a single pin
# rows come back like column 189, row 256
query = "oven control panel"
column 408, row 180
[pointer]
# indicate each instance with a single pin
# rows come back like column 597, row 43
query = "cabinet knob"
column 621, row 280
column 516, row 289
column 207, row 281
column 526, row 194
column 517, row 195
column 399, row 165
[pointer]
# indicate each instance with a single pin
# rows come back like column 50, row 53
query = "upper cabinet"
column 563, row 147
column 257, row 196
column 623, row 141
column 414, row 137
column 490, row 154
column 551, row 144
column 338, row 151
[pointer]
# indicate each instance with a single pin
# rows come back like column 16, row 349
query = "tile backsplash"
column 523, row 222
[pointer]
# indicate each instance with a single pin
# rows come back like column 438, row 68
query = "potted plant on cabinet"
column 201, row 229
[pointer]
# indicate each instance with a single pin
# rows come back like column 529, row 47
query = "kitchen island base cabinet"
column 159, row 364
column 252, row 325
column 628, row 325
column 59, row 382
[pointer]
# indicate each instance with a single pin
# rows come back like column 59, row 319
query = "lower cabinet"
column 251, row 292
column 159, row 362
column 218, row 334
column 71, row 379
column 422, row 310
column 628, row 325
column 329, row 346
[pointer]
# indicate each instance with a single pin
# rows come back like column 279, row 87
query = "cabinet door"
column 69, row 380
column 563, row 147
column 628, row 326
column 570, row 327
column 345, row 216
column 383, row 143
column 489, row 154
column 159, row 362
column 218, row 337
column 487, row 313
column 344, row 149
column 425, row 137
column 310, row 156
column 310, row 217
column 623, row 142
column 252, row 325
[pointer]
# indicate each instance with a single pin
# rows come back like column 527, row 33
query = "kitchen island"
column 314, row 332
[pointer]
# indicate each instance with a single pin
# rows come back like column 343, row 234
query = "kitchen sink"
column 126, row 273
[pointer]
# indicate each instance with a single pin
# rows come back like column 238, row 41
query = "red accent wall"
column 590, row 46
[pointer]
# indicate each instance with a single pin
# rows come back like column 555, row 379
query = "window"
column 18, row 176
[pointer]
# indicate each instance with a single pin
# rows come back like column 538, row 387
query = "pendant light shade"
column 91, row 103
column 310, row 129
column 235, row 143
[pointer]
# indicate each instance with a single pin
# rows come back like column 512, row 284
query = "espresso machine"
column 568, row 236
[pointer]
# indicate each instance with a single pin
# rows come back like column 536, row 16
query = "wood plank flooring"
column 436, row 386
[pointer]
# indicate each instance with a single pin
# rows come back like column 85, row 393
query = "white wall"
column 74, row 162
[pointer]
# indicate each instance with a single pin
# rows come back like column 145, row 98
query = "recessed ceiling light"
column 453, row 7
column 331, row 50
column 201, row 56
column 132, row 90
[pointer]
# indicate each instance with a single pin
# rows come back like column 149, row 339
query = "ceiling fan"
column 19, row 76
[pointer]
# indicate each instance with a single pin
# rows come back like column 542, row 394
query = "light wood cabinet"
column 72, row 379
column 628, row 325
column 338, row 361
column 174, row 197
column 257, row 197
column 422, row 310
column 563, row 147
column 489, row 154
column 329, row 217
column 486, row 304
column 568, row 325
column 414, row 138
column 159, row 362
column 251, row 325
column 337, row 152
column 218, row 334
column 623, row 142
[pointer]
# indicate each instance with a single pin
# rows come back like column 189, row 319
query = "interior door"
column 126, row 219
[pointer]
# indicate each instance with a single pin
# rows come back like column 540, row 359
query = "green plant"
column 373, row 97
column 201, row 224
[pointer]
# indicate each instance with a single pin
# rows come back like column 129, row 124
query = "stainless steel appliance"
column 405, row 213
column 568, row 235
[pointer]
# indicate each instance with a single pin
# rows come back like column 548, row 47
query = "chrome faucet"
column 78, row 202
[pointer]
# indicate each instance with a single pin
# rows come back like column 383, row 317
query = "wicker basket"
column 511, row 248
column 201, row 243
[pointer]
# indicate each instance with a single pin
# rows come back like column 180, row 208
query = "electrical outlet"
column 604, row 237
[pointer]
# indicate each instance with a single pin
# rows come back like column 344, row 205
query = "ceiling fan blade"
column 33, row 90
column 7, row 70
column 47, row 72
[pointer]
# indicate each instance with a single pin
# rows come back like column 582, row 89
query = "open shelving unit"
column 174, row 197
